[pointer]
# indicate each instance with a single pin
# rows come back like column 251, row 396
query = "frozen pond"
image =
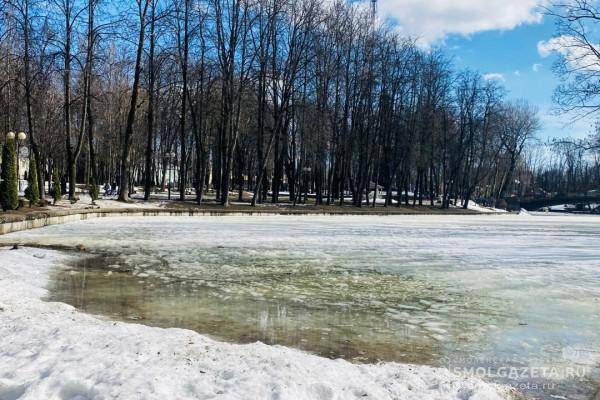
column 513, row 299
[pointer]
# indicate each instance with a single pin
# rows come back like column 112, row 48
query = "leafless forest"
column 301, row 100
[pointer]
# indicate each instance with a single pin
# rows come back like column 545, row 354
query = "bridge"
column 536, row 204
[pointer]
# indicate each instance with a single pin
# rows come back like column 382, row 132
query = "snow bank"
column 52, row 351
column 482, row 209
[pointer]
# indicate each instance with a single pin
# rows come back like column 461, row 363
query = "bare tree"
column 577, row 44
column 519, row 125
column 142, row 11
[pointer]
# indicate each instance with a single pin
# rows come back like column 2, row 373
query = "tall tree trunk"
column 184, row 95
column 125, row 155
column 28, row 99
column 90, row 115
column 150, row 134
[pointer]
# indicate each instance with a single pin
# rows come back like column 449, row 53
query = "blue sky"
column 513, row 58
column 499, row 38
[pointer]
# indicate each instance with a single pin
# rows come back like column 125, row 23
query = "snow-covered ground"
column 160, row 200
column 85, row 202
column 482, row 209
column 52, row 351
column 572, row 207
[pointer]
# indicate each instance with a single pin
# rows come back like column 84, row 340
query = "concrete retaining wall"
column 80, row 215
column 55, row 217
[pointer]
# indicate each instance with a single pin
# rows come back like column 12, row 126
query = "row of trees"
column 279, row 98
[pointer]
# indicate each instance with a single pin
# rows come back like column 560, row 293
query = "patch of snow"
column 52, row 351
column 378, row 200
column 479, row 208
column 85, row 202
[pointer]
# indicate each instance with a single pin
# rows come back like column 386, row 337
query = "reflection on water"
column 329, row 326
column 475, row 293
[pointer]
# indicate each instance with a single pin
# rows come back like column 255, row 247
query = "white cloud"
column 536, row 67
column 494, row 77
column 576, row 53
column 517, row 73
column 546, row 48
column 432, row 20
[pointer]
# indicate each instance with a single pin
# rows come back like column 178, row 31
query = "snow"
column 52, row 351
column 85, row 202
column 571, row 207
column 472, row 205
column 479, row 208
column 160, row 200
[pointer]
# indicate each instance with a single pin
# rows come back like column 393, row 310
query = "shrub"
column 56, row 186
column 32, row 192
column 9, row 190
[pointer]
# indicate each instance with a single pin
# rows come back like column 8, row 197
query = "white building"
column 23, row 166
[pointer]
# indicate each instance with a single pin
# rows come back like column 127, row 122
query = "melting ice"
column 461, row 292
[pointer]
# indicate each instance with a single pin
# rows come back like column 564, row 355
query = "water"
column 512, row 299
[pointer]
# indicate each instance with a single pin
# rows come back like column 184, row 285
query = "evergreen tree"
column 9, row 193
column 32, row 192
column 56, row 185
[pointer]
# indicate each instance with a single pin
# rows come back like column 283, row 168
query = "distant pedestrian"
column 106, row 189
